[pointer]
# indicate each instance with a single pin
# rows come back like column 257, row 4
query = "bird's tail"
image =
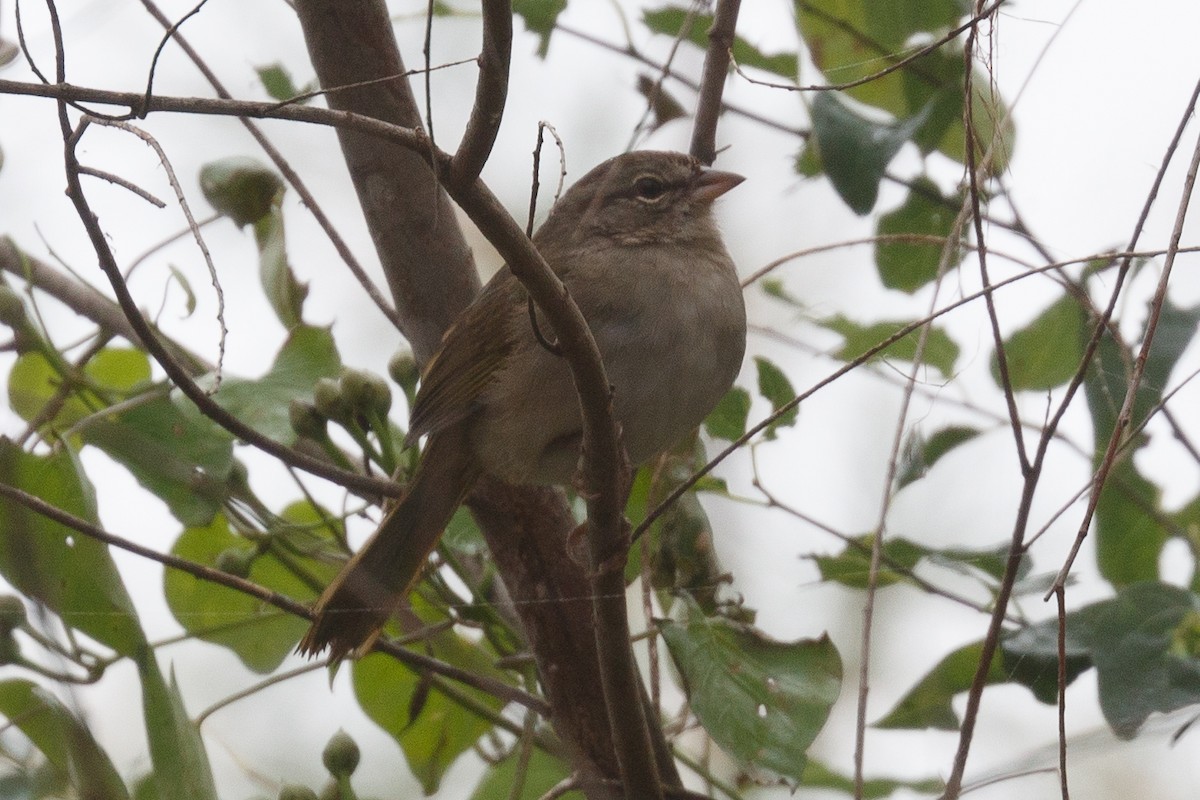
column 375, row 582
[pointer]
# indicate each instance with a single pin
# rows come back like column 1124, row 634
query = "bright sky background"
column 1097, row 89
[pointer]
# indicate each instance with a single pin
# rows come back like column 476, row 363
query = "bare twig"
column 290, row 175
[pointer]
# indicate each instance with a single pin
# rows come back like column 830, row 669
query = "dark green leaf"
column 920, row 454
column 929, row 703
column 776, row 388
column 670, row 21
column 1146, row 647
column 73, row 575
column 728, row 419
column 850, row 40
column 308, row 355
column 62, row 738
column 909, row 265
column 762, row 701
column 1029, row 655
column 1047, row 351
column 240, row 188
column 284, row 293
column 540, row 17
column 855, row 150
column 940, row 350
column 808, row 162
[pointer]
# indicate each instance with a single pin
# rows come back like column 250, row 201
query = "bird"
column 637, row 247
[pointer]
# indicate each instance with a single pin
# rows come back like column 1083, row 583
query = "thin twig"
column 307, row 199
column 124, row 184
column 208, row 574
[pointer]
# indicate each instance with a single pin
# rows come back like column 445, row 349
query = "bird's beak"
column 712, row 183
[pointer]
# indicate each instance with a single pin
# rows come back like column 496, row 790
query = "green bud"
column 402, row 368
column 365, row 392
column 293, row 792
column 236, row 561
column 328, row 399
column 307, row 421
column 341, row 755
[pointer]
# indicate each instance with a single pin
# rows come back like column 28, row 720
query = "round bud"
column 293, row 792
column 402, row 368
column 328, row 399
column 364, row 392
column 341, row 755
column 236, row 561
column 307, row 421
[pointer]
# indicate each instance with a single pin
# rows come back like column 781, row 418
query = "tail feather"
column 376, row 580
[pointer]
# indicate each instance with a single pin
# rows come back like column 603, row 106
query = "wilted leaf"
column 920, row 454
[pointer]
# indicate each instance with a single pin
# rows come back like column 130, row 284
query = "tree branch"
column 490, row 93
column 712, row 80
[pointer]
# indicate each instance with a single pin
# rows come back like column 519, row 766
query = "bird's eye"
column 649, row 188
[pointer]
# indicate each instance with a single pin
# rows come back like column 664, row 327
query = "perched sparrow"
column 635, row 243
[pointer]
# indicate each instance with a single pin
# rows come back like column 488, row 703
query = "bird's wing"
column 472, row 351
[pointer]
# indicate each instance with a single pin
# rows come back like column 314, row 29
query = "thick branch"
column 427, row 262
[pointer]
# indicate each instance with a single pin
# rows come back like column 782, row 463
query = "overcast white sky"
column 1096, row 97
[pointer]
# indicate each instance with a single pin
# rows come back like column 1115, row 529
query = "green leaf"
column 181, row 456
column 762, row 701
column 820, row 776
column 540, row 17
column 277, row 80
column 1144, row 645
column 1046, row 352
column 308, row 355
column 728, row 419
column 920, row 454
column 260, row 635
column 851, row 567
column 112, row 374
column 1029, row 655
column 430, row 727
column 1130, row 531
column 929, row 703
column 180, row 762
column 855, row 150
column 851, row 40
column 909, row 265
column 542, row 774
column 940, row 350
column 776, row 388
column 72, row 574
column 241, row 188
column 62, row 738
column 670, row 21
column 284, row 293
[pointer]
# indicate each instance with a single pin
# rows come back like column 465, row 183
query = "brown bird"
column 635, row 243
